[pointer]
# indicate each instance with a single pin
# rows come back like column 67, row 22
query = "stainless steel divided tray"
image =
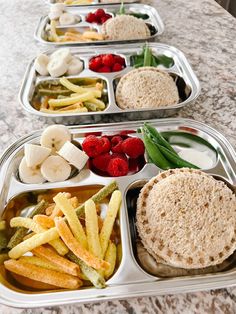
column 90, row 2
column 186, row 81
column 154, row 23
column 130, row 279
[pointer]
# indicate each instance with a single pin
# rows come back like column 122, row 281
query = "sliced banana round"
column 41, row 63
column 55, row 169
column 75, row 66
column 58, row 7
column 67, row 19
column 63, row 54
column 73, row 155
column 55, row 136
column 57, row 67
column 30, row 175
column 35, row 154
column 54, row 15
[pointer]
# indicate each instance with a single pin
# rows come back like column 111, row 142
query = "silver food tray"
column 94, row 2
column 130, row 280
column 154, row 22
column 189, row 86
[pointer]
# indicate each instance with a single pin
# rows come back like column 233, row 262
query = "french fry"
column 91, row 222
column 65, row 205
column 28, row 223
column 107, row 227
column 44, row 221
column 110, row 257
column 31, row 243
column 41, row 262
column 93, row 35
column 90, row 273
column 51, row 277
column 99, row 103
column 49, row 209
column 54, row 35
column 76, row 248
column 99, row 196
column 21, row 232
column 57, row 212
column 2, row 225
column 70, row 100
column 30, row 283
column 67, row 266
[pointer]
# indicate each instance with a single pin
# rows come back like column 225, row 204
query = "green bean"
column 97, row 280
column 154, row 153
column 157, row 138
column 21, row 231
column 175, row 159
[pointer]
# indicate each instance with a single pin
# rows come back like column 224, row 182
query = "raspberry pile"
column 114, row 156
column 107, row 63
column 98, row 17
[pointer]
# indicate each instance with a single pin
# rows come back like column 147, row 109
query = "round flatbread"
column 146, row 87
column 125, row 27
column 187, row 218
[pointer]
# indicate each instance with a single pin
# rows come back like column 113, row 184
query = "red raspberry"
column 104, row 69
column 105, row 18
column 119, row 59
column 117, row 67
column 101, row 162
column 105, row 143
column 92, row 146
column 119, row 155
column 117, row 167
column 108, row 60
column 99, row 13
column 91, row 18
column 116, row 144
column 133, row 147
column 95, row 63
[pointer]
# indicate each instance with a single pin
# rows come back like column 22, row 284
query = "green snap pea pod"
column 154, row 153
column 154, row 62
column 147, row 57
column 175, row 159
column 158, row 138
column 122, row 8
column 21, row 231
column 97, row 280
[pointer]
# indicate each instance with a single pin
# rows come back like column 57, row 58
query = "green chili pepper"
column 122, row 8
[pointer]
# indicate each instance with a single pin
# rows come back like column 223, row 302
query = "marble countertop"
column 206, row 34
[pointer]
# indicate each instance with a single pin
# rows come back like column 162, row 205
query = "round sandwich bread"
column 125, row 27
column 187, row 219
column 146, row 87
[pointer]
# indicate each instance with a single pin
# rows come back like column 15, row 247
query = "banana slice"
column 75, row 66
column 58, row 7
column 67, row 19
column 63, row 54
column 54, row 15
column 57, row 67
column 35, row 154
column 31, row 175
column 55, row 136
column 55, row 169
column 73, row 155
column 41, row 63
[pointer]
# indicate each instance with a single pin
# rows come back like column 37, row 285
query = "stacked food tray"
column 113, row 210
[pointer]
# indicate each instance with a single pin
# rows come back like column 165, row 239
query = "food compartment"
column 145, row 259
column 23, row 205
column 183, row 88
column 107, row 63
column 85, row 95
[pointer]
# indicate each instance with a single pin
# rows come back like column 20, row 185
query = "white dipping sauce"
column 197, row 158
